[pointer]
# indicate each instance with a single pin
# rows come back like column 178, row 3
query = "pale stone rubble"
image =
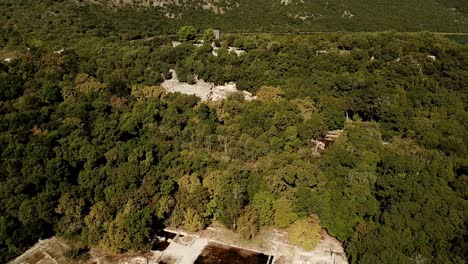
column 215, row 50
column 347, row 14
column 205, row 90
column 60, row 51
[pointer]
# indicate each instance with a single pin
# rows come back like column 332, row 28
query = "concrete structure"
column 183, row 248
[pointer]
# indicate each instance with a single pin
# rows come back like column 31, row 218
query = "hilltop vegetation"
column 93, row 150
column 62, row 21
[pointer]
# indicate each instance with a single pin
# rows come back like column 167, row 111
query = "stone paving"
column 184, row 248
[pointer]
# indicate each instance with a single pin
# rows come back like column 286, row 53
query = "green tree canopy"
column 187, row 34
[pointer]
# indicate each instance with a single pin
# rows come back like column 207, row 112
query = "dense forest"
column 92, row 149
column 64, row 20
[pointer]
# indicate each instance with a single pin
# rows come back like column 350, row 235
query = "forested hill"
column 310, row 15
column 92, row 150
column 137, row 17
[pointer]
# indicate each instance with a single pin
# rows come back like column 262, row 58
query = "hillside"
column 216, row 6
column 93, row 150
column 70, row 19
column 315, row 15
column 104, row 142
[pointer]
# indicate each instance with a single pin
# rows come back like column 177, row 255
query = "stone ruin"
column 327, row 140
column 205, row 90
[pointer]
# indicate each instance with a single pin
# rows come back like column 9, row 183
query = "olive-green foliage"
column 305, row 233
column 263, row 202
column 208, row 36
column 187, row 34
column 86, row 153
column 284, row 213
column 62, row 21
column 77, row 253
column 129, row 230
column 248, row 224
